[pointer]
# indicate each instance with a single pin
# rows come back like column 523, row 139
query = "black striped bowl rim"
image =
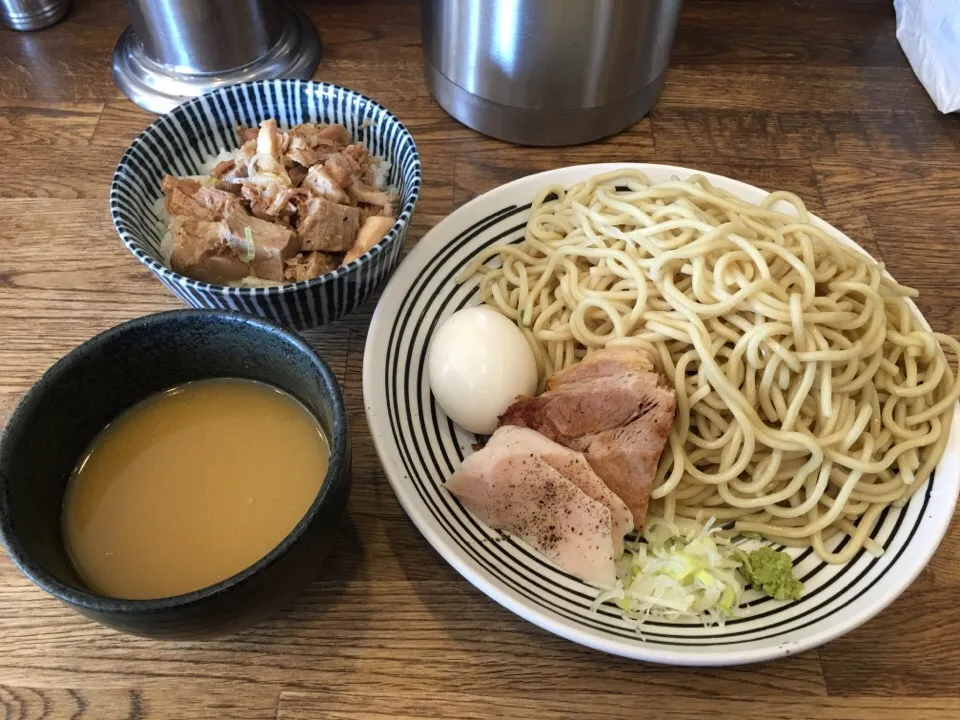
column 420, row 447
column 180, row 141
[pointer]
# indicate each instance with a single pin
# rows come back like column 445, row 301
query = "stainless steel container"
column 177, row 49
column 33, row 14
column 547, row 72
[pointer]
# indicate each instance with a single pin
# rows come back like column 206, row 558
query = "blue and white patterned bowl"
column 179, row 142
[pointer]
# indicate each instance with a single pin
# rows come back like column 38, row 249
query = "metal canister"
column 547, row 72
column 33, row 14
column 205, row 35
column 177, row 49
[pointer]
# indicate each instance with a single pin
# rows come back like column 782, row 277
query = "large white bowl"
column 419, row 448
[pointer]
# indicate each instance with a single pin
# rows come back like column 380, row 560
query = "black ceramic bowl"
column 94, row 383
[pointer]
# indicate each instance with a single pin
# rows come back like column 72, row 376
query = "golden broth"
column 191, row 486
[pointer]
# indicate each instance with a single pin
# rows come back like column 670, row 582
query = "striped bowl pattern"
column 420, row 448
column 179, row 142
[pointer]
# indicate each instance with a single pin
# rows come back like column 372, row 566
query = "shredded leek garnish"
column 249, row 245
column 677, row 573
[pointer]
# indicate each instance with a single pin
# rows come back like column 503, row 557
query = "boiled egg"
column 478, row 362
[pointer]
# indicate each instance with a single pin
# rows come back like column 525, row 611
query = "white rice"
column 254, row 282
column 206, row 168
column 163, row 227
column 381, row 172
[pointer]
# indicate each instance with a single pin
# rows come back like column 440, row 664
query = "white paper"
column 929, row 33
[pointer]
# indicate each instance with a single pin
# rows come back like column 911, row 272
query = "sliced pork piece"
column 306, row 148
column 297, row 174
column 335, row 133
column 309, row 265
column 201, row 253
column 231, row 187
column 615, row 409
column 190, row 198
column 269, row 202
column 179, row 203
column 361, row 193
column 626, row 458
column 185, row 185
column 512, row 489
column 247, row 134
column 222, row 168
column 267, row 166
column 359, row 154
column 246, row 152
column 273, row 243
column 373, row 231
column 319, row 182
column 575, row 468
column 304, row 135
column 303, row 155
column 343, row 169
column 234, row 177
column 180, row 199
column 609, row 362
column 218, row 200
column 598, row 394
column 327, row 226
column 325, row 138
column 269, row 140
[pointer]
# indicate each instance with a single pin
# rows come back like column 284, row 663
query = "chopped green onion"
column 677, row 572
column 250, row 247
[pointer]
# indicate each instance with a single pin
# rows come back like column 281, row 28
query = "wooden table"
column 813, row 96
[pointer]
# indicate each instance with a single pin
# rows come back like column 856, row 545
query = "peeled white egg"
column 478, row 362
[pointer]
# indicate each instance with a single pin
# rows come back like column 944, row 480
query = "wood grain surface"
column 813, row 96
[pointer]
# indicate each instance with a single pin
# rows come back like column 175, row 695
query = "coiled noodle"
column 809, row 395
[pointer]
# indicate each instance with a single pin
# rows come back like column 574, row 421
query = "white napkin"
column 929, row 33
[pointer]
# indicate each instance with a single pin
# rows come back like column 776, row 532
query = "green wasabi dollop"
column 771, row 571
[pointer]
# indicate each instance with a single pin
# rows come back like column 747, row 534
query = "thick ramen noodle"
column 810, row 394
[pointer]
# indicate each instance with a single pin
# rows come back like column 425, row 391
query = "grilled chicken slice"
column 575, row 468
column 517, row 484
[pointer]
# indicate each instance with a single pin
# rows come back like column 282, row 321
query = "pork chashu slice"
column 616, row 409
column 532, row 487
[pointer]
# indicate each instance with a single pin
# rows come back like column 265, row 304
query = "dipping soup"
column 191, row 486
